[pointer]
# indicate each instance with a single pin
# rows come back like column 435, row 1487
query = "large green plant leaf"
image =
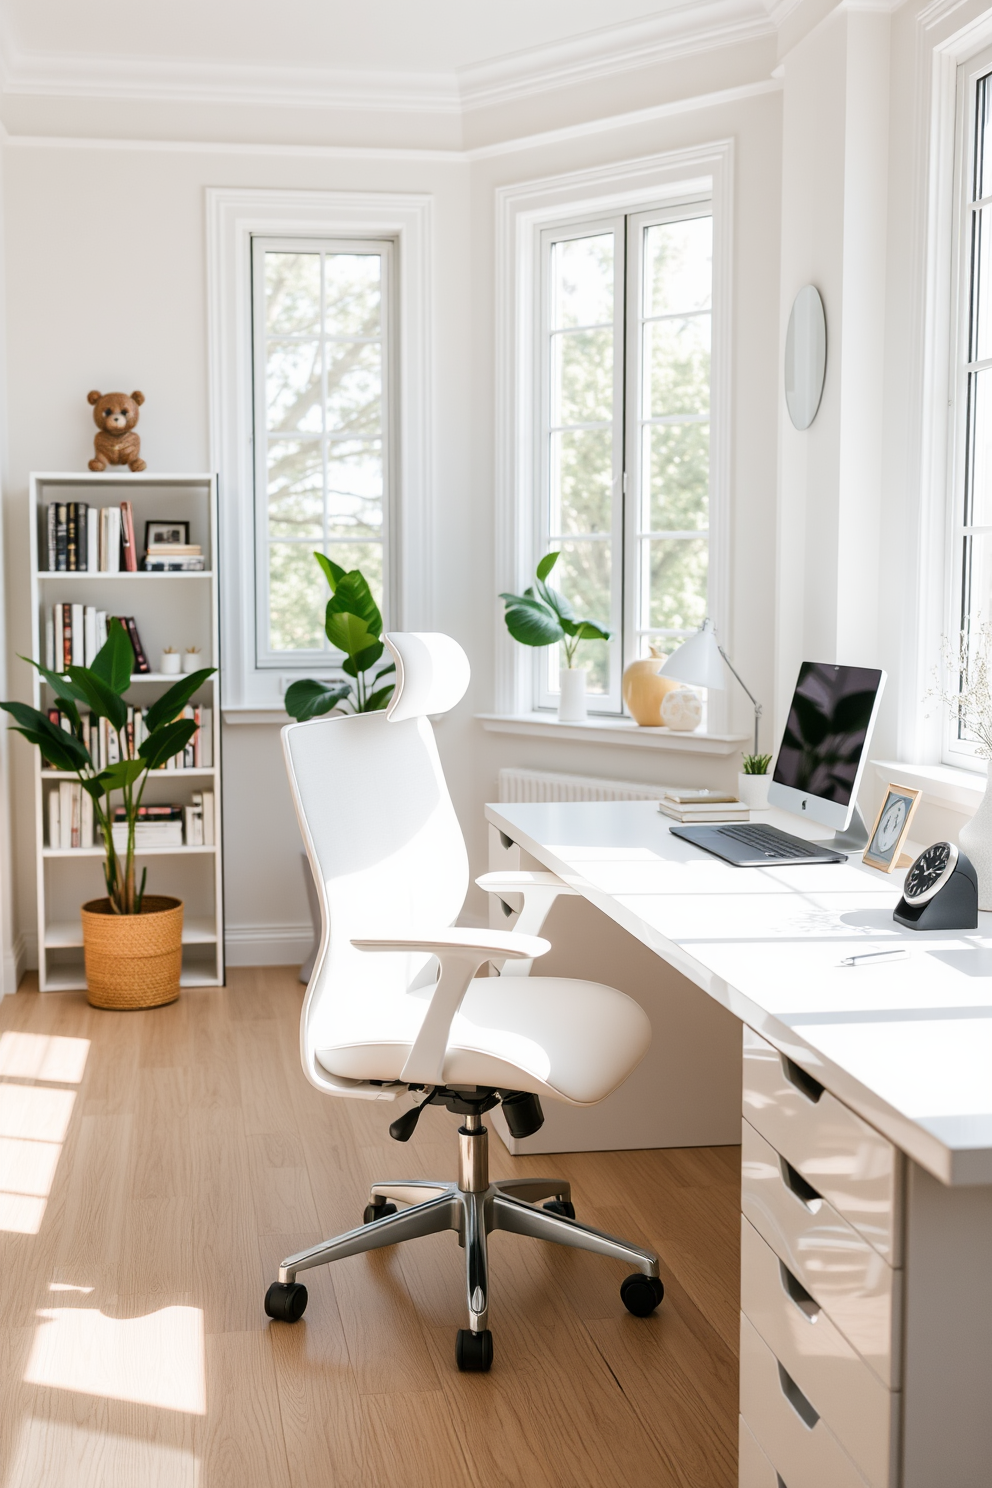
column 101, row 697
column 333, row 572
column 167, row 741
column 174, row 701
column 362, row 660
column 352, row 595
column 348, row 632
column 65, row 690
column 531, row 623
column 114, row 662
column 546, row 564
column 116, row 777
column 588, row 630
column 309, row 698
column 378, row 700
column 65, row 751
column 555, row 600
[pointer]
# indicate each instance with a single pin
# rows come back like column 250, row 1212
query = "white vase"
column 572, row 702
column 171, row 662
column 975, row 840
column 753, row 790
column 191, row 661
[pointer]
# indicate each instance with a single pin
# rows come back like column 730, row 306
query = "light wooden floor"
column 134, row 1352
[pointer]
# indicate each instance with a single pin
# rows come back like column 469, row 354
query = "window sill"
column 943, row 784
column 610, row 731
column 273, row 714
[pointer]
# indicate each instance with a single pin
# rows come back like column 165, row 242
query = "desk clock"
column 940, row 892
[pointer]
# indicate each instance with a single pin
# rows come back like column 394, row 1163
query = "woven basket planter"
column 133, row 961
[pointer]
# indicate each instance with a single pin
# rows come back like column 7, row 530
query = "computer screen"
column 828, row 726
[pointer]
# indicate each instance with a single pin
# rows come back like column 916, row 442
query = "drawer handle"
column 803, row 1408
column 804, row 1192
column 810, row 1088
column 506, row 841
column 797, row 1293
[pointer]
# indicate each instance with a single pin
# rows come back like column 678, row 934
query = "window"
column 321, row 330
column 970, row 538
column 623, row 478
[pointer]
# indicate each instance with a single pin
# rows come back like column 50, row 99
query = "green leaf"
column 309, row 698
column 532, row 625
column 353, row 596
column 101, row 697
column 362, row 660
column 114, row 662
column 167, row 741
column 347, row 632
column 64, row 750
column 333, row 572
column 378, row 700
column 546, row 564
column 588, row 630
column 67, row 691
column 556, row 601
column 171, row 703
column 123, row 773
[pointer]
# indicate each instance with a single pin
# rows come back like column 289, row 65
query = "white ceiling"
column 436, row 36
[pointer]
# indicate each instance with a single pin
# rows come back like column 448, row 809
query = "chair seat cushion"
column 571, row 1040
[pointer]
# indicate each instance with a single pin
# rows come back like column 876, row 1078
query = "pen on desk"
column 873, row 955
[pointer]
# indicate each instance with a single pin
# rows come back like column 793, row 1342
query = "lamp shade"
column 697, row 661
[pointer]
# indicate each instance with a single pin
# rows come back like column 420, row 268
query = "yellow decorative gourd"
column 643, row 689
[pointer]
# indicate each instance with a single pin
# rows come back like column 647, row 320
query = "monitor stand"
column 854, row 838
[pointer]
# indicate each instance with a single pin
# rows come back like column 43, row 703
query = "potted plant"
column 542, row 616
column 753, row 780
column 132, row 941
column 352, row 624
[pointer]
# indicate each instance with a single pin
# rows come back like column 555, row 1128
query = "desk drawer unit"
column 852, row 1400
column 787, row 1425
column 846, row 1160
column 753, row 1468
column 827, row 1256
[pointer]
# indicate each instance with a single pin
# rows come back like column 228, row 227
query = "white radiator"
column 547, row 785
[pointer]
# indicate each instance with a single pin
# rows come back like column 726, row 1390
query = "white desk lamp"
column 699, row 662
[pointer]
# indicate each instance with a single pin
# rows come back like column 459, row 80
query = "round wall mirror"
column 805, row 357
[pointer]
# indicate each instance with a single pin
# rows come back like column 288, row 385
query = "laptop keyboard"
column 769, row 840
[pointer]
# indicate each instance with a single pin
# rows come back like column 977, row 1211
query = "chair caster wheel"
column 564, row 1207
column 374, row 1212
column 641, row 1294
column 286, row 1301
column 474, row 1351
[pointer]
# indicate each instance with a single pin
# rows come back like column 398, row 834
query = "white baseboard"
column 267, row 945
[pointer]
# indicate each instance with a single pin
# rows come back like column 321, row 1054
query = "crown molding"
column 614, row 50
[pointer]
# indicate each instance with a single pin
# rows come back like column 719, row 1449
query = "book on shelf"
column 140, row 659
column 110, row 539
column 727, row 812
column 200, row 820
column 155, row 826
column 74, row 634
column 70, row 816
column 128, row 546
column 103, row 743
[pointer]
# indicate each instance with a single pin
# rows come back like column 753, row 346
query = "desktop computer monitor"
column 825, row 745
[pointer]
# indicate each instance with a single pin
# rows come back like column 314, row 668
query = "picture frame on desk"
column 891, row 828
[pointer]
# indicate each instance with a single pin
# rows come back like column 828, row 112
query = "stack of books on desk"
column 702, row 806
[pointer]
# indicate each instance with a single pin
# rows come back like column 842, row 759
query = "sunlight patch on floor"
column 40, row 1056
column 33, row 1123
column 52, row 1454
column 153, row 1360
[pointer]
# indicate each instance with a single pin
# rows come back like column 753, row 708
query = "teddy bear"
column 115, row 415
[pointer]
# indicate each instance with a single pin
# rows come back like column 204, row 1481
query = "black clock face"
column 927, row 871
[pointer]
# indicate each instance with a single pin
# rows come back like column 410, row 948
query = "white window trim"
column 522, row 211
column 233, row 218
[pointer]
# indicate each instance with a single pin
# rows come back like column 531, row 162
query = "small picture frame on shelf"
column 160, row 534
column 884, row 850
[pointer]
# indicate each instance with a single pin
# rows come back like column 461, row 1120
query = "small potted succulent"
column 753, row 781
column 542, row 616
column 132, row 941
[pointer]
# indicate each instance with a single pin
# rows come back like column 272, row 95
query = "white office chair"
column 391, row 871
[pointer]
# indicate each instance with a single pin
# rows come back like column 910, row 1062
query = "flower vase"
column 975, row 839
column 753, row 790
column 572, row 701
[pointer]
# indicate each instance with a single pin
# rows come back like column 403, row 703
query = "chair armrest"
column 538, row 891
column 460, row 951
column 460, row 938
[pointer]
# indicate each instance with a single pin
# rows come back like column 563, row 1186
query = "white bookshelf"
column 177, row 609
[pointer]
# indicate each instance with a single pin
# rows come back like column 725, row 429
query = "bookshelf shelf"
column 166, row 616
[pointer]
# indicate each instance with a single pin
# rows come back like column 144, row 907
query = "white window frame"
column 524, row 211
column 303, row 661
column 234, row 217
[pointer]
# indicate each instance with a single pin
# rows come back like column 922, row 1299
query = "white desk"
column 906, row 1046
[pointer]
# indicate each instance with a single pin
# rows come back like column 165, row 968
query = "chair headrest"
column 432, row 673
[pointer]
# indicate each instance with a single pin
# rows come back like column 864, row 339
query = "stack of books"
column 156, row 826
column 102, row 741
column 89, row 539
column 702, row 806
column 174, row 558
column 200, row 828
column 70, row 816
column 74, row 633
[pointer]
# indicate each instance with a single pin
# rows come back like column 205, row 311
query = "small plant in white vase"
column 171, row 662
column 542, row 616
column 191, row 659
column 969, row 703
column 753, row 780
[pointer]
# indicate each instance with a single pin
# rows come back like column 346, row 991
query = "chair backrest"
column 384, row 844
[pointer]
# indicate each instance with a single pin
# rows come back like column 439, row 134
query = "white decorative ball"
column 681, row 710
